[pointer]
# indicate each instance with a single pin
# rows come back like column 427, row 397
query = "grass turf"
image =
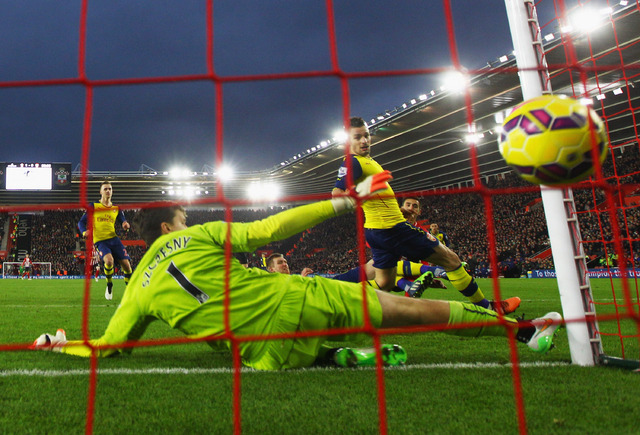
column 157, row 389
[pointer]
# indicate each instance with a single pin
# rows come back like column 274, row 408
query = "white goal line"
column 225, row 370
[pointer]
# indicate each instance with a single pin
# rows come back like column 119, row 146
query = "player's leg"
column 109, row 269
column 354, row 275
column 104, row 250
column 126, row 270
column 409, row 272
column 465, row 283
column 341, row 306
column 121, row 255
column 385, row 278
column 384, row 261
column 537, row 334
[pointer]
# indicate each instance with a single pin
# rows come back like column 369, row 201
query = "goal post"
column 564, row 233
column 11, row 269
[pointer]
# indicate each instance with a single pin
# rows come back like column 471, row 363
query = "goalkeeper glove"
column 368, row 186
column 50, row 342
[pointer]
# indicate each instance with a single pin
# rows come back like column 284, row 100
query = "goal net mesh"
column 602, row 67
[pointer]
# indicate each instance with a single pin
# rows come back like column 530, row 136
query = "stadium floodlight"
column 455, row 81
column 413, row 101
column 617, row 91
column 586, row 19
column 324, row 144
column 549, row 37
column 422, row 97
column 624, row 2
column 586, row 101
column 177, row 173
column 340, row 136
column 600, row 97
column 504, row 58
column 225, row 173
column 263, row 190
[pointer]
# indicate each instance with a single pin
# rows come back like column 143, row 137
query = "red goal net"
column 440, row 143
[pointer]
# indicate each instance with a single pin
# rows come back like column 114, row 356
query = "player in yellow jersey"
column 391, row 237
column 105, row 241
column 182, row 281
column 434, row 229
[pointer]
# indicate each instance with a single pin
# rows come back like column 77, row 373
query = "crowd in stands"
column 518, row 226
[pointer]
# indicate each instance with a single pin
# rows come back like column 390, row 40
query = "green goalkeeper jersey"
column 181, row 280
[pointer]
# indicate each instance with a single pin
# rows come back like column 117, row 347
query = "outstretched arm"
column 290, row 222
column 127, row 324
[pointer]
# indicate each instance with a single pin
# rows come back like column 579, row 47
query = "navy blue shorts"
column 112, row 246
column 402, row 240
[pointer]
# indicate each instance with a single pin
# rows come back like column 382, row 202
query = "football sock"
column 127, row 277
column 403, row 283
column 466, row 285
column 325, row 355
column 464, row 312
column 526, row 330
column 352, row 275
column 108, row 272
column 374, row 284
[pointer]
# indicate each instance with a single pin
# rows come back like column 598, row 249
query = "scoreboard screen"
column 35, row 176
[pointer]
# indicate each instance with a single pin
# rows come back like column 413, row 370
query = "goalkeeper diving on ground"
column 181, row 281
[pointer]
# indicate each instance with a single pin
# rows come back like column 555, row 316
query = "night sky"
column 265, row 122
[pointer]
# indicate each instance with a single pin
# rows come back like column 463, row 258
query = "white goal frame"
column 43, row 266
column 564, row 232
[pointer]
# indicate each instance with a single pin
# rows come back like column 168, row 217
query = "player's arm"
column 82, row 225
column 293, row 221
column 341, row 186
column 127, row 324
column 123, row 220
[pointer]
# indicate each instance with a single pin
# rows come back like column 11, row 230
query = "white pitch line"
column 225, row 370
column 57, row 306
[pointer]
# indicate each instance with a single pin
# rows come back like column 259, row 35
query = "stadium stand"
column 331, row 247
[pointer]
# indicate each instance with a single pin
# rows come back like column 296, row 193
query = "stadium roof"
column 423, row 144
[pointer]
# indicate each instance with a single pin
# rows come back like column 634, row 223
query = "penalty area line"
column 226, row 370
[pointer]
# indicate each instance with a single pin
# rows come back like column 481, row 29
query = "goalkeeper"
column 181, row 281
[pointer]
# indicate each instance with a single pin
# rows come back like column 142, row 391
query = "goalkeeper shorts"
column 328, row 305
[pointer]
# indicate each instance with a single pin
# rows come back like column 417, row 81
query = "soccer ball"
column 547, row 140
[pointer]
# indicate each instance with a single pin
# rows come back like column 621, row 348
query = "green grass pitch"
column 450, row 384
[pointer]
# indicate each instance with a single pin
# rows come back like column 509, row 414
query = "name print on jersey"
column 167, row 249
